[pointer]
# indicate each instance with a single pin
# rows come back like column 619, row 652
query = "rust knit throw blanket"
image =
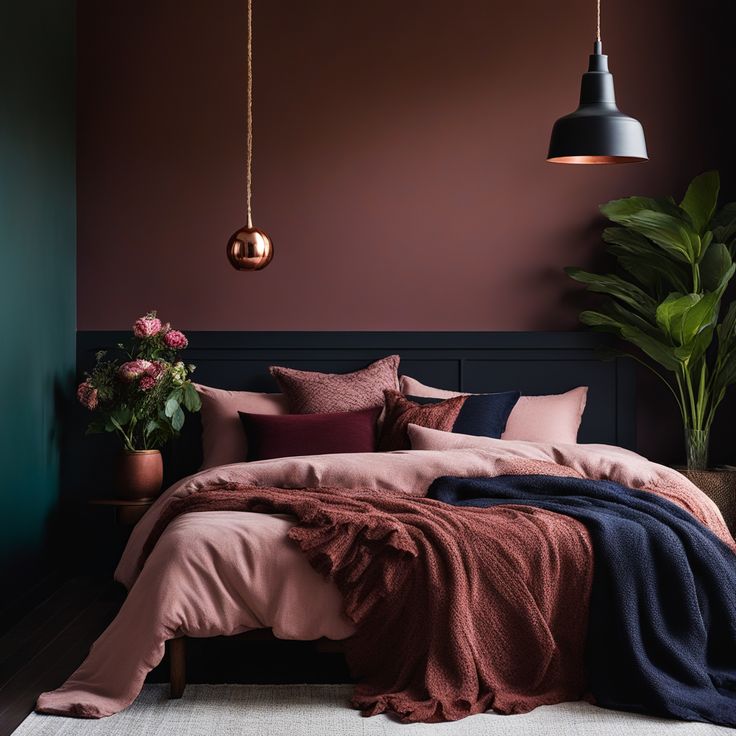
column 458, row 610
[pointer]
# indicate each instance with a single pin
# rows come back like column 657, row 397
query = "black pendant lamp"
column 597, row 132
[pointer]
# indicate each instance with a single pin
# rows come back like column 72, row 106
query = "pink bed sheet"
column 222, row 573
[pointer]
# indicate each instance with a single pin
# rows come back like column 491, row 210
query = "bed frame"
column 533, row 362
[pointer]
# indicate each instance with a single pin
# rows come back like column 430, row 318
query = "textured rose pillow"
column 310, row 392
column 223, row 439
column 482, row 415
column 293, row 435
column 551, row 418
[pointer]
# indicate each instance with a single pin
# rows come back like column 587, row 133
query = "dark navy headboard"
column 533, row 362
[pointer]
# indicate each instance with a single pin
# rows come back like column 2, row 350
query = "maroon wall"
column 399, row 156
column 399, row 161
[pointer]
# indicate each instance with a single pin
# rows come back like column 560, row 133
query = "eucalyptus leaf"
column 192, row 400
column 171, row 407
column 177, row 420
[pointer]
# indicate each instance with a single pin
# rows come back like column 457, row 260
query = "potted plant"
column 142, row 400
column 674, row 262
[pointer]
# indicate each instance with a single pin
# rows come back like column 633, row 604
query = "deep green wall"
column 37, row 274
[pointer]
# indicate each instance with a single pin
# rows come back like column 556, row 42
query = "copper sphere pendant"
column 249, row 249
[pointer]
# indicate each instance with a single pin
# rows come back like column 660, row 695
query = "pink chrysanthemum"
column 147, row 327
column 156, row 369
column 134, row 369
column 146, row 383
column 87, row 395
column 176, row 340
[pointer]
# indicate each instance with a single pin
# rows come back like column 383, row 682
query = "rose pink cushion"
column 309, row 392
column 551, row 418
column 223, row 438
column 294, row 435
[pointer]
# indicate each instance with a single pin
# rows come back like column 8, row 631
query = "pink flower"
column 147, row 327
column 87, row 395
column 156, row 369
column 134, row 369
column 175, row 340
column 146, row 383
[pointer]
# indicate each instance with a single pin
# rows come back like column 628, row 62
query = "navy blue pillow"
column 482, row 415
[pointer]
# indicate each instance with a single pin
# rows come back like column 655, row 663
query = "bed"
column 347, row 549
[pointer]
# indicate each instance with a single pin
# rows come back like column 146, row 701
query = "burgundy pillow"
column 309, row 392
column 272, row 436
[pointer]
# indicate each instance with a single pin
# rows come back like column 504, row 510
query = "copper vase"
column 139, row 474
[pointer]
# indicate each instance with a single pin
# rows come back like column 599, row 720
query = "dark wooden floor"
column 46, row 646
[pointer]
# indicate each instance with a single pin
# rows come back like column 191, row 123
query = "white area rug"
column 314, row 710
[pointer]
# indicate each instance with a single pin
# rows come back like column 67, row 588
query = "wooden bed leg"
column 177, row 666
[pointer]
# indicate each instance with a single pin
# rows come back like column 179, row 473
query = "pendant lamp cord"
column 598, row 22
column 249, row 120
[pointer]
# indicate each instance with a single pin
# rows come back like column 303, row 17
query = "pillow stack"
column 369, row 409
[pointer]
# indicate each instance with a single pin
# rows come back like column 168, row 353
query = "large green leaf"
column 654, row 348
column 671, row 314
column 725, row 216
column 652, row 267
column 701, row 199
column 716, row 268
column 651, row 346
column 618, row 288
column 617, row 210
column 725, row 374
column 668, row 232
column 691, row 353
column 626, row 317
column 683, row 317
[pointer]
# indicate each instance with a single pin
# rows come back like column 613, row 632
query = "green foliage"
column 674, row 263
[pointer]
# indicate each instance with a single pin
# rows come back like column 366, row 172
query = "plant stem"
column 696, row 278
column 691, row 395
column 679, row 399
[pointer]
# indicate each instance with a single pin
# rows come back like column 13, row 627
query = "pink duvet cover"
column 222, row 573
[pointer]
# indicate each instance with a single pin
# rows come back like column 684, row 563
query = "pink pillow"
column 551, row 418
column 223, row 438
column 309, row 392
column 428, row 438
column 310, row 434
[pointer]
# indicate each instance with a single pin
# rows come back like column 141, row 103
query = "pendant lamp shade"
column 597, row 132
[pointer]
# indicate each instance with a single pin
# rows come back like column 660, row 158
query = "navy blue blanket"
column 662, row 621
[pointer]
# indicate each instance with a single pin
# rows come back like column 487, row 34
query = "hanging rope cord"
column 249, row 120
column 597, row 24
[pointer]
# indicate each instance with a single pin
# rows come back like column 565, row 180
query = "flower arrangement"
column 143, row 398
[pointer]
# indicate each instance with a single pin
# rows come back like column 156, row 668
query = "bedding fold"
column 662, row 632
